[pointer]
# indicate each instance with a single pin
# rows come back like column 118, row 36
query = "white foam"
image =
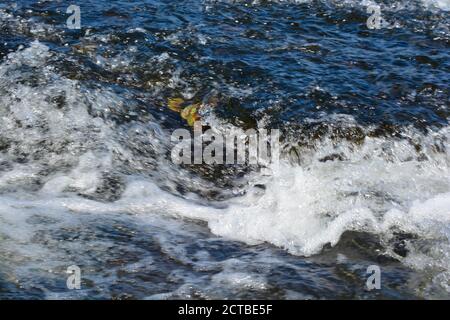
column 382, row 187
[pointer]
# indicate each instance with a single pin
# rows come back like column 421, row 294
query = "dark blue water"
column 364, row 120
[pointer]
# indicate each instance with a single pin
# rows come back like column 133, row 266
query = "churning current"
column 358, row 89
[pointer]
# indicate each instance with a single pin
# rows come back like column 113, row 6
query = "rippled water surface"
column 86, row 176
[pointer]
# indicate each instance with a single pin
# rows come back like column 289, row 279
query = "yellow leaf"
column 185, row 113
column 190, row 113
column 174, row 104
column 189, row 110
column 191, row 121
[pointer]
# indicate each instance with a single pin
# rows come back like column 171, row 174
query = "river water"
column 86, row 176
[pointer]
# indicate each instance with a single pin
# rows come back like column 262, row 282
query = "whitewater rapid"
column 71, row 174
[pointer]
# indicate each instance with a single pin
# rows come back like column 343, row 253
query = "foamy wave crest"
column 384, row 187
